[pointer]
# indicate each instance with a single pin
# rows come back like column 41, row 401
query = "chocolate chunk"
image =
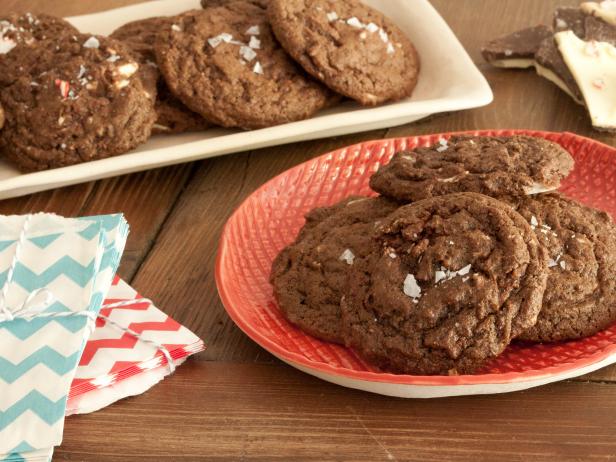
column 517, row 49
column 570, row 18
column 599, row 31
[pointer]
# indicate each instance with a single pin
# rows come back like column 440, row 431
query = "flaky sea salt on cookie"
column 454, row 280
column 352, row 48
column 580, row 298
column 224, row 63
column 495, row 166
column 310, row 275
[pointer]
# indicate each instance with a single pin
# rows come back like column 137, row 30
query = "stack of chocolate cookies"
column 467, row 249
column 577, row 53
column 69, row 97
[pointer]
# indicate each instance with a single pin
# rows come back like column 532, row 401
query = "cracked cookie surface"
column 454, row 280
column 352, row 48
column 224, row 63
column 580, row 298
column 310, row 275
column 77, row 98
column 494, row 166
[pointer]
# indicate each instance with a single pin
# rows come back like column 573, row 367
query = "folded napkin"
column 54, row 273
column 127, row 353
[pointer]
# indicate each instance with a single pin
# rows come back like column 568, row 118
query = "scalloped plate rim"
column 416, row 384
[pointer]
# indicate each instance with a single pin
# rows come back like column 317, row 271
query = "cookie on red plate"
column 309, row 276
column 580, row 298
column 454, row 280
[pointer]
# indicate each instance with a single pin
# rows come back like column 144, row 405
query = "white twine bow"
column 39, row 300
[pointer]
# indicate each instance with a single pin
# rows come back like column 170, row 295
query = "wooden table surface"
column 235, row 401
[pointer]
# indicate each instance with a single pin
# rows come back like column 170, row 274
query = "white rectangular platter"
column 448, row 81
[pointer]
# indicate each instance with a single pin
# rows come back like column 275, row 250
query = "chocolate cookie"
column 173, row 116
column 352, row 48
column 26, row 29
column 517, row 49
column 78, row 98
column 580, row 299
column 309, row 276
column 455, row 279
column 495, row 166
column 224, row 63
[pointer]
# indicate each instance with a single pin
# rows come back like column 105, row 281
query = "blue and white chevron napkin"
column 58, row 272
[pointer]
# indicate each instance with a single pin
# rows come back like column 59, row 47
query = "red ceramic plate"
column 271, row 217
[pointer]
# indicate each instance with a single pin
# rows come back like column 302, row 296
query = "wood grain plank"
column 230, row 411
column 146, row 199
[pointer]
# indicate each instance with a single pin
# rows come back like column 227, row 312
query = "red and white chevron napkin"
column 115, row 363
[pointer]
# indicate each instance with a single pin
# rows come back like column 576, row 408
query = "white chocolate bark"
column 593, row 65
column 518, row 63
column 556, row 80
column 605, row 10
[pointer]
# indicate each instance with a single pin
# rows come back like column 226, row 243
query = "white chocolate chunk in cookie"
column 593, row 65
column 605, row 10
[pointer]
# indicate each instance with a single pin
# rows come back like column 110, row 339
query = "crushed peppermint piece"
column 347, row 256
column 63, row 146
column 258, row 69
column 176, row 28
column 60, row 120
column 465, row 270
column 508, row 52
column 332, row 16
column 591, row 49
column 563, row 265
column 82, row 71
column 92, row 42
column 113, row 58
column 390, row 49
column 63, row 86
column 35, row 84
column 6, row 45
column 253, row 30
column 561, row 23
column 411, row 288
column 392, row 254
column 254, row 43
column 598, row 83
column 363, row 35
